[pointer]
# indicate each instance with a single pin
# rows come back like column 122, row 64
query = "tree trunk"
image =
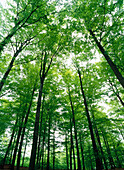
column 98, row 161
column 48, row 153
column 10, row 67
column 17, row 26
column 110, row 62
column 71, row 157
column 12, row 150
column 99, row 142
column 42, row 150
column 116, row 92
column 39, row 143
column 72, row 146
column 75, row 131
column 74, row 156
column 120, row 99
column 71, row 141
column 24, row 152
column 17, row 143
column 23, row 132
column 9, row 36
column 82, row 152
column 36, row 128
column 91, row 164
column 66, row 145
column 9, row 145
column 111, row 161
column 54, row 149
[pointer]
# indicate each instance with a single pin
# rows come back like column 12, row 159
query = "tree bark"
column 24, row 152
column 11, row 155
column 17, row 143
column 116, row 92
column 9, row 36
column 71, row 156
column 9, row 145
column 72, row 148
column 17, row 26
column 39, row 143
column 99, row 142
column 43, row 144
column 111, row 161
column 82, row 152
column 98, row 161
column 75, row 131
column 66, row 145
column 54, row 149
column 120, row 99
column 110, row 62
column 36, row 128
column 91, row 164
column 74, row 155
column 10, row 67
column 48, row 153
column 23, row 132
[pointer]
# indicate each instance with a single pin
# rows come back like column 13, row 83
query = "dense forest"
column 61, row 84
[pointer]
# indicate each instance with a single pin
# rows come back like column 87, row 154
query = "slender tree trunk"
column 99, row 142
column 39, row 143
column 98, row 161
column 12, row 150
column 17, row 26
column 71, row 157
column 54, row 149
column 10, row 144
column 43, row 144
column 36, row 129
column 24, row 152
column 91, row 164
column 75, row 131
column 110, row 62
column 120, row 99
column 17, row 143
column 8, row 37
column 9, row 67
column 116, row 92
column 72, row 146
column 23, row 132
column 82, row 152
column 111, row 161
column 66, row 145
column 100, row 146
column 74, row 157
column 48, row 153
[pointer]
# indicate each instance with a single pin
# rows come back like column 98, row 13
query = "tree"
column 61, row 102
column 26, row 14
column 99, row 29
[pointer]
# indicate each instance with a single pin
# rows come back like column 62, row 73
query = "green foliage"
column 58, row 40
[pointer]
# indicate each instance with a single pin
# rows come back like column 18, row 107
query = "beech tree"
column 61, row 69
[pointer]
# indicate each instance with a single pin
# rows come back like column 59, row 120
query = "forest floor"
column 7, row 167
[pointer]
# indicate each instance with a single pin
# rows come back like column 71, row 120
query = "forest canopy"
column 61, row 84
